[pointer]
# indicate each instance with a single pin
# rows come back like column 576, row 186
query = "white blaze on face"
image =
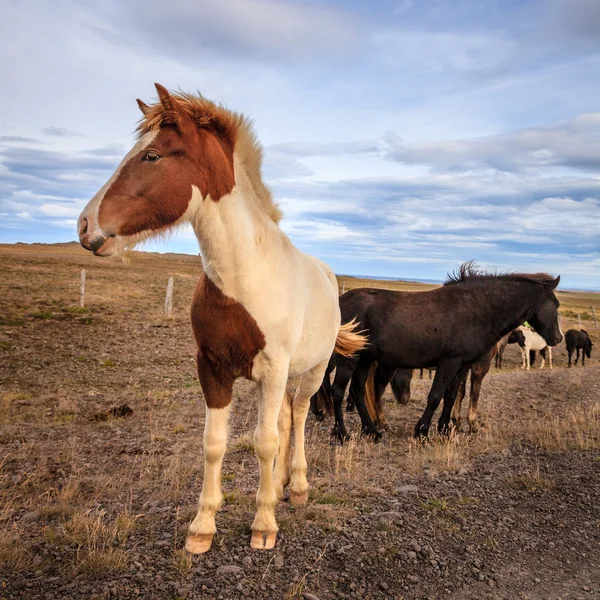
column 90, row 212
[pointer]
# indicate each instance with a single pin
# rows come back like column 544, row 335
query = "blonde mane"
column 235, row 126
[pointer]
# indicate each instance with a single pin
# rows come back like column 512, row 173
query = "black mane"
column 469, row 271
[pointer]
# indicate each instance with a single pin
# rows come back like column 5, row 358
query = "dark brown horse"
column 576, row 341
column 450, row 327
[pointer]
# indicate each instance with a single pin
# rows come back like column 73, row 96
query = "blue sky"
column 401, row 138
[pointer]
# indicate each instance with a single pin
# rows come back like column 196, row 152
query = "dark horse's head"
column 544, row 316
column 534, row 292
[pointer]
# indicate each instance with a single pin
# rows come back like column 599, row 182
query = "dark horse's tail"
column 371, row 403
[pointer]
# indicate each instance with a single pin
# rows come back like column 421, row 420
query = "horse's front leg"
column 266, row 443
column 217, row 394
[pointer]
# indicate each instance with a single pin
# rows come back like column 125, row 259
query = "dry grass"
column 100, row 545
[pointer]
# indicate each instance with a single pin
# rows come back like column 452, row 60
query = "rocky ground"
column 95, row 504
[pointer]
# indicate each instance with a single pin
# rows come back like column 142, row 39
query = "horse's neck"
column 512, row 304
column 234, row 235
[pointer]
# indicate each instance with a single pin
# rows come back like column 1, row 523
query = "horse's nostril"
column 83, row 226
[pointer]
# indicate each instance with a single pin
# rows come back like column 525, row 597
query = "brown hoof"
column 263, row 540
column 198, row 543
column 298, row 499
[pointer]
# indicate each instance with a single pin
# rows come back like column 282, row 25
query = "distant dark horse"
column 450, row 327
column 577, row 340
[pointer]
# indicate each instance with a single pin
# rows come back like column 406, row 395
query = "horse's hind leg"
column 549, row 348
column 460, row 394
column 445, row 372
column 478, row 373
column 570, row 353
column 281, row 473
column 359, row 382
column 309, row 384
column 383, row 376
column 343, row 372
column 576, row 356
column 450, row 397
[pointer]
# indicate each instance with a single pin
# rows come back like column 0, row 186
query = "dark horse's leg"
column 444, row 374
column 576, row 356
column 359, row 381
column 343, row 372
column 479, row 370
column 570, row 352
column 450, row 396
column 322, row 398
column 582, row 357
column 460, row 394
column 383, row 376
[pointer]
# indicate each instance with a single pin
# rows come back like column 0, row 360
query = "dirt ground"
column 95, row 504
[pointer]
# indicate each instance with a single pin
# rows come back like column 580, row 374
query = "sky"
column 401, row 137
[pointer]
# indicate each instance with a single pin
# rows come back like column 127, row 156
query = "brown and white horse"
column 262, row 309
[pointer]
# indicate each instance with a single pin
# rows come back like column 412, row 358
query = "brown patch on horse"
column 228, row 339
column 194, row 111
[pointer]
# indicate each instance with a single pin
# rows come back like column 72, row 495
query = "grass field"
column 97, row 506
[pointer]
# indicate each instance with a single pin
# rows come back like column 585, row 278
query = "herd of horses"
column 267, row 312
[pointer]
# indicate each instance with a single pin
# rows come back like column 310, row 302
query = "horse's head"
column 184, row 153
column 545, row 318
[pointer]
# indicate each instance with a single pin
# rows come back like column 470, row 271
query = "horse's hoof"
column 298, row 499
column 198, row 543
column 263, row 540
column 421, row 432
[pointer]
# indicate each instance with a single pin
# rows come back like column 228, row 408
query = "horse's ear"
column 168, row 103
column 556, row 282
column 143, row 106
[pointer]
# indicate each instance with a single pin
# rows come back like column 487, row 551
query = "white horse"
column 262, row 309
column 534, row 341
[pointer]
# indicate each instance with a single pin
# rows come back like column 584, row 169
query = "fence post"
column 579, row 320
column 343, row 286
column 594, row 315
column 82, row 289
column 169, row 297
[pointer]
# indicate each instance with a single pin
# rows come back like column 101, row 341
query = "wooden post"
column 169, row 297
column 82, row 289
column 579, row 320
column 343, row 286
column 594, row 315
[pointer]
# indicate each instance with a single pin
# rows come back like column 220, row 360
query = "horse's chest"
column 226, row 334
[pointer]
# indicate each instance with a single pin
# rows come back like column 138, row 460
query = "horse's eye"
column 151, row 156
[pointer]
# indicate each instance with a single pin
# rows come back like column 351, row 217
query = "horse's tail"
column 349, row 341
column 372, row 408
